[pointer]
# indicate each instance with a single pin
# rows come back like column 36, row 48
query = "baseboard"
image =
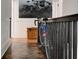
column 5, row 46
column 18, row 38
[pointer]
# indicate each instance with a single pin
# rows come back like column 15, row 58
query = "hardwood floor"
column 20, row 49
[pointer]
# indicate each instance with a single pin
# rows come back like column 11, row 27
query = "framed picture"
column 35, row 8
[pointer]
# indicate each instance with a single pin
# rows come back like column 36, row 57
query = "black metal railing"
column 58, row 37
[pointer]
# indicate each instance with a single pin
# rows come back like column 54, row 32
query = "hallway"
column 56, row 29
column 21, row 50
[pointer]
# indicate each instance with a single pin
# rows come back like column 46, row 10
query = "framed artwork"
column 35, row 8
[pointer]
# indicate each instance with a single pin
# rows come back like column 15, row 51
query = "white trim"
column 5, row 46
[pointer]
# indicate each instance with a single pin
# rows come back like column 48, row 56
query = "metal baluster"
column 75, row 40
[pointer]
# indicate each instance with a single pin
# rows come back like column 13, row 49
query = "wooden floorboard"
column 20, row 49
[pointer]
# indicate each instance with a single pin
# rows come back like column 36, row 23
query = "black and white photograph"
column 35, row 8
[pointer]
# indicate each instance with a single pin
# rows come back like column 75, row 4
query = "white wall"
column 20, row 25
column 70, row 7
column 59, row 8
column 64, row 7
column 5, row 25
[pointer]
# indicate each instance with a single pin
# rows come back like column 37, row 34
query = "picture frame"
column 35, row 8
